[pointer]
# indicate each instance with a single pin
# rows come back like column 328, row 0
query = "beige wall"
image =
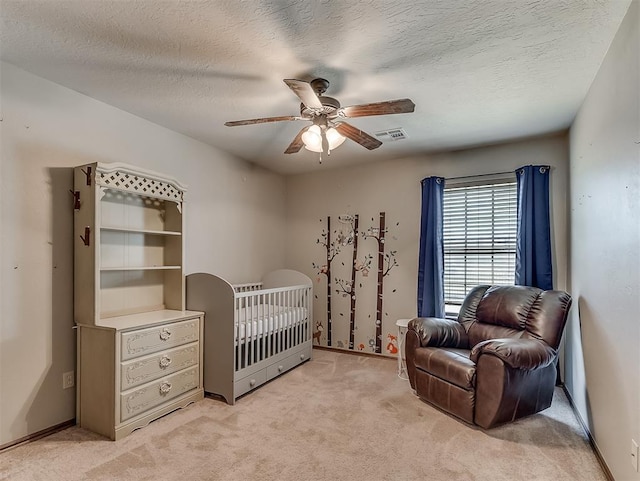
column 394, row 187
column 234, row 227
column 603, row 335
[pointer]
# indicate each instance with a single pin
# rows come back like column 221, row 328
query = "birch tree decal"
column 350, row 287
column 333, row 249
column 354, row 269
column 386, row 262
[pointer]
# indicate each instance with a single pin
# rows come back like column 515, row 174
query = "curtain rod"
column 480, row 175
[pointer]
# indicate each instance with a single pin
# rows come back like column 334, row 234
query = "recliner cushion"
column 507, row 306
column 502, row 312
column 479, row 332
column 449, row 364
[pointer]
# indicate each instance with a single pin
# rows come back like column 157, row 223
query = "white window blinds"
column 479, row 237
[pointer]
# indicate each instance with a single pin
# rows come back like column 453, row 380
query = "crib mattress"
column 253, row 322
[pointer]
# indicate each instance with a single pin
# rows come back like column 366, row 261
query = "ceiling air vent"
column 393, row 134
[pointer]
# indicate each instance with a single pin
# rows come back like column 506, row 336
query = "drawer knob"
column 252, row 382
column 165, row 334
column 280, row 368
column 302, row 357
column 165, row 361
column 165, row 387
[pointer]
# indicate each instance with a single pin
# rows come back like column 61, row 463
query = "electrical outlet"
column 634, row 454
column 68, row 380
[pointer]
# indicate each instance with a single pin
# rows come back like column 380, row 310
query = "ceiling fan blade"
column 297, row 143
column 402, row 106
column 357, row 135
column 305, row 93
column 235, row 123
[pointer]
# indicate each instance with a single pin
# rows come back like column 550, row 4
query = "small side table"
column 402, row 363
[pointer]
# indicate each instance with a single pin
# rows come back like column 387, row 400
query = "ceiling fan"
column 329, row 129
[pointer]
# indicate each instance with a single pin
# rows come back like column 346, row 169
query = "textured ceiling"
column 478, row 71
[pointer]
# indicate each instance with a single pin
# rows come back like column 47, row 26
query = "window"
column 479, row 237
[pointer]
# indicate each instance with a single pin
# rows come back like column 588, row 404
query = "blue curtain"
column 533, row 247
column 431, row 260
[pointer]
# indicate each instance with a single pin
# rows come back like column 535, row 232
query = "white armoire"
column 139, row 350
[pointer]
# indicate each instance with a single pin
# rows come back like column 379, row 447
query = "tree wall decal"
column 348, row 288
column 386, row 262
column 334, row 243
column 333, row 249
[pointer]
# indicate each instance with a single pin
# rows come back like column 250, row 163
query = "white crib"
column 252, row 332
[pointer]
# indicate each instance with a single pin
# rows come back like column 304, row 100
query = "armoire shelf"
column 140, row 268
column 141, row 231
column 139, row 350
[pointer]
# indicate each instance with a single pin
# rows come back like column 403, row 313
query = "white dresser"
column 139, row 350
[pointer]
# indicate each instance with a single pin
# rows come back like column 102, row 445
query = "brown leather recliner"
column 497, row 361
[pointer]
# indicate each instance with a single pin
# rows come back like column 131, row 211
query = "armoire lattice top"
column 139, row 184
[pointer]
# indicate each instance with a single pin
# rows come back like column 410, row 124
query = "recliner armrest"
column 438, row 332
column 517, row 353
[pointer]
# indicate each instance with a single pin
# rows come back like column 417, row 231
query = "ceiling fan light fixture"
column 312, row 138
column 334, row 138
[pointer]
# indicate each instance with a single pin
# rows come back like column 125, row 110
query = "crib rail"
column 270, row 321
column 247, row 287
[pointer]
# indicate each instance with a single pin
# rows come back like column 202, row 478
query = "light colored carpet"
column 337, row 417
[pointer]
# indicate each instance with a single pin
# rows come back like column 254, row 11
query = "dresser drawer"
column 138, row 400
column 144, row 369
column 246, row 384
column 285, row 364
column 155, row 339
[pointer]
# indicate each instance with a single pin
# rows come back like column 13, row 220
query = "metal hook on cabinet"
column 87, row 173
column 76, row 199
column 87, row 236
